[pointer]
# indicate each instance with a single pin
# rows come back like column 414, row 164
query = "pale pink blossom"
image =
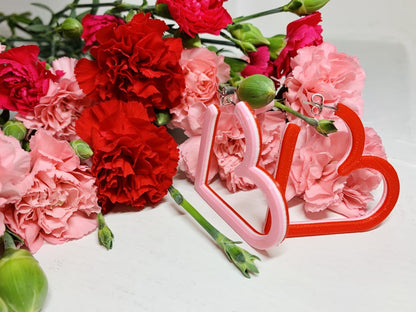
column 314, row 178
column 14, row 170
column 58, row 110
column 229, row 148
column 188, row 158
column 321, row 69
column 204, row 71
column 61, row 204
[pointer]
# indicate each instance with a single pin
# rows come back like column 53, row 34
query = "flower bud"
column 277, row 43
column 326, row 127
column 23, row 284
column 304, row 7
column 81, row 149
column 247, row 32
column 15, row 129
column 71, row 29
column 162, row 118
column 105, row 235
column 257, row 90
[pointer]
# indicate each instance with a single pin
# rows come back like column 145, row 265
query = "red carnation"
column 24, row 79
column 303, row 32
column 133, row 62
column 134, row 161
column 199, row 16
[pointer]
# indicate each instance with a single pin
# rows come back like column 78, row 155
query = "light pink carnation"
column 58, row 110
column 14, row 170
column 314, row 176
column 229, row 148
column 204, row 70
column 61, row 204
column 321, row 69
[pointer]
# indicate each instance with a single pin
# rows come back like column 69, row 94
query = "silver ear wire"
column 226, row 93
column 317, row 104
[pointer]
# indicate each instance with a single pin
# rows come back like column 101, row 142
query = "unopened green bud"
column 304, row 7
column 105, row 235
column 277, row 43
column 23, row 284
column 326, row 127
column 257, row 90
column 71, row 29
column 81, row 149
column 162, row 118
column 15, row 129
column 247, row 32
column 130, row 15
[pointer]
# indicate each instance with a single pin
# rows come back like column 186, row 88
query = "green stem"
column 311, row 121
column 241, row 258
column 256, row 15
column 178, row 198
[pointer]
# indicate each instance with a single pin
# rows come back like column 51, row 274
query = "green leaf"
column 236, row 64
column 38, row 28
column 43, row 6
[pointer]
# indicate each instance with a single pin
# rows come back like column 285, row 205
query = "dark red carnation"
column 133, row 62
column 24, row 79
column 259, row 63
column 134, row 161
column 199, row 16
column 92, row 23
column 303, row 32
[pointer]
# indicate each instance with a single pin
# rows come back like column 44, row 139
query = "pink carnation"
column 61, row 204
column 58, row 110
column 14, row 170
column 204, row 70
column 314, row 176
column 229, row 148
column 303, row 32
column 199, row 16
column 92, row 23
column 321, row 69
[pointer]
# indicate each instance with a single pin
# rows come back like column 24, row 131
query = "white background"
column 162, row 261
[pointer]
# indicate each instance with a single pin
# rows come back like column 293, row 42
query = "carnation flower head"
column 61, row 203
column 204, row 71
column 14, row 170
column 24, row 79
column 134, row 161
column 338, row 77
column 58, row 110
column 314, row 177
column 134, row 62
column 92, row 23
column 300, row 33
column 199, row 16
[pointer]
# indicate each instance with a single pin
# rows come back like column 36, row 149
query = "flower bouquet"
column 104, row 103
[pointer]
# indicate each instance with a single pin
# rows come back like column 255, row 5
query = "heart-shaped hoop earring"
column 277, row 206
column 353, row 160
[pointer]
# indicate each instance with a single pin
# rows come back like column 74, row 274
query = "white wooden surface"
column 163, row 261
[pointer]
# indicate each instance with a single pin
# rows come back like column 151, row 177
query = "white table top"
column 163, row 261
